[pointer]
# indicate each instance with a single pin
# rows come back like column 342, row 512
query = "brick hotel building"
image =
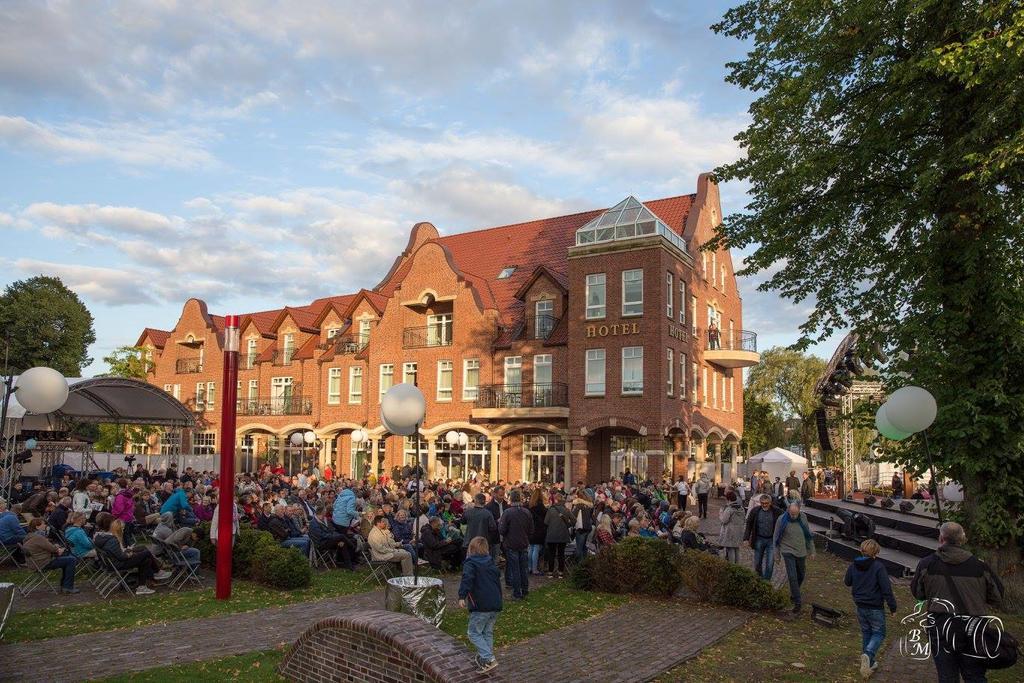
column 566, row 348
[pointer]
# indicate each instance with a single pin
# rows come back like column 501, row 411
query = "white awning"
column 118, row 400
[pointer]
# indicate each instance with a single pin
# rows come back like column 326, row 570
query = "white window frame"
column 168, row 388
column 682, row 301
column 440, row 328
column 695, row 374
column 732, row 394
column 682, row 376
column 671, row 370
column 288, row 347
column 333, row 386
column 714, row 269
column 547, row 315
column 704, row 384
column 204, row 443
column 593, row 385
column 250, row 352
column 596, row 311
column 714, row 388
column 364, row 332
column 512, row 363
column 693, row 316
column 332, row 332
column 632, row 386
column 381, row 374
column 470, row 390
column 355, row 389
column 410, row 369
column 238, row 395
column 444, row 393
column 254, row 389
column 200, row 396
column 543, row 360
column 632, row 308
column 670, row 286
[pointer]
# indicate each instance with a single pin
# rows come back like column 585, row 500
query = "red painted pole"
column 226, row 497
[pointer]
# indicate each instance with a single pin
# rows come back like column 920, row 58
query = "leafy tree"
column 785, row 380
column 46, row 324
column 125, row 361
column 885, row 157
column 762, row 424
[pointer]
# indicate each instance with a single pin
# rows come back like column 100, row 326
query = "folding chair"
column 7, row 554
column 182, row 572
column 321, row 559
column 86, row 568
column 109, row 577
column 380, row 570
column 36, row 578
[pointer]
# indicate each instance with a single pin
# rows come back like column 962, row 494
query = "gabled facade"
column 567, row 348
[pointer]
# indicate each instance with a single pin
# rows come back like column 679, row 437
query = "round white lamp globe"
column 885, row 427
column 402, row 409
column 310, row 437
column 911, row 409
column 41, row 390
column 463, row 439
column 357, row 436
column 452, row 437
column 297, row 439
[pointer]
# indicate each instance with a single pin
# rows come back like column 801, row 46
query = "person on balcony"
column 714, row 336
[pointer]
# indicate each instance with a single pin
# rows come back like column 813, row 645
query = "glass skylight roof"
column 627, row 219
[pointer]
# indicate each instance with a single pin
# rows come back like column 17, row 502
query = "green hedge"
column 259, row 557
column 640, row 566
column 713, row 579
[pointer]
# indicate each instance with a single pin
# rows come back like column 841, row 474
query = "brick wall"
column 378, row 647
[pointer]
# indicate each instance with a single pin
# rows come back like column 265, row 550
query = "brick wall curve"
column 378, row 646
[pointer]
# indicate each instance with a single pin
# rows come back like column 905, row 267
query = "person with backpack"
column 870, row 586
column 955, row 582
column 792, row 539
column 480, row 593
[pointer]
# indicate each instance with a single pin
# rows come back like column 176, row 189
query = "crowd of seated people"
column 376, row 518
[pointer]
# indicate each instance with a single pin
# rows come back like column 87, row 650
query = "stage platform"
column 905, row 537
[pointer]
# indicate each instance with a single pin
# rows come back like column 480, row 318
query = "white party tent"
column 778, row 462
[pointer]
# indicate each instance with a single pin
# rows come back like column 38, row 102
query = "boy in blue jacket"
column 480, row 591
column 871, row 588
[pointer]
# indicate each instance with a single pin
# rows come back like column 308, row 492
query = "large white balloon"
column 403, row 408
column 911, row 409
column 42, row 390
column 885, row 427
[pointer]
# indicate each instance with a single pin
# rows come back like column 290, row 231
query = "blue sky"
column 256, row 154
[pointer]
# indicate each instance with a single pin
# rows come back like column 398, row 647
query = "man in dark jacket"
column 497, row 506
column 758, row 532
column 955, row 582
column 515, row 527
column 479, row 522
column 326, row 538
column 806, row 488
column 792, row 483
column 437, row 550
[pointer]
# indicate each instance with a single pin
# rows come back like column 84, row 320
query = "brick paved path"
column 616, row 646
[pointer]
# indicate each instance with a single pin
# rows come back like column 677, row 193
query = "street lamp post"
column 226, row 495
column 401, row 412
column 359, row 437
column 454, row 438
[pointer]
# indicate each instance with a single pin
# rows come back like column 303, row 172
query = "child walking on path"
column 870, row 583
column 480, row 592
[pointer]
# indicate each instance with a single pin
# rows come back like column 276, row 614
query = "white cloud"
column 112, row 286
column 117, row 219
column 126, row 144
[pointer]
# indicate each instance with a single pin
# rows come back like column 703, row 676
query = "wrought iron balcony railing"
column 430, row 335
column 738, row 340
column 276, row 405
column 283, row 359
column 188, row 365
column 348, row 344
column 523, row 395
column 540, row 325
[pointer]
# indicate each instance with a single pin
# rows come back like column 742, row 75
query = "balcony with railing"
column 276, row 405
column 540, row 325
column 439, row 334
column 188, row 365
column 348, row 344
column 283, row 359
column 522, row 400
column 731, row 349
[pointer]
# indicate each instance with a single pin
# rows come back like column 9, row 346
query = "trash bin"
column 424, row 599
column 6, row 601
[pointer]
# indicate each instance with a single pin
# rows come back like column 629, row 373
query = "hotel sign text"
column 616, row 329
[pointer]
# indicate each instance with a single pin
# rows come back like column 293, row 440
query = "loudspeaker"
column 824, row 438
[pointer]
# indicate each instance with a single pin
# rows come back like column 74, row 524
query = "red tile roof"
column 481, row 255
column 158, row 337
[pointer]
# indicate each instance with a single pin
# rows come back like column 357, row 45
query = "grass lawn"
column 770, row 649
column 127, row 613
column 547, row 609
